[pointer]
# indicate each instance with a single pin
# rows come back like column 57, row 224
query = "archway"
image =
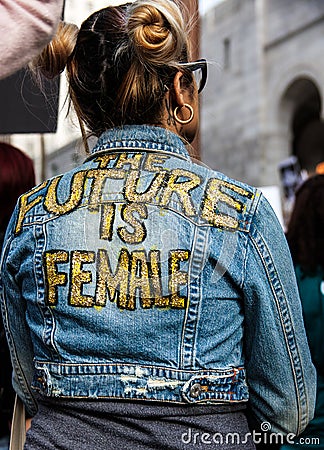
column 302, row 102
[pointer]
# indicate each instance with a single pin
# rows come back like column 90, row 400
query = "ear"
column 178, row 91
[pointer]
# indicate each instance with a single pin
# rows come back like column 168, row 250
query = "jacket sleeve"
column 26, row 27
column 280, row 374
column 14, row 312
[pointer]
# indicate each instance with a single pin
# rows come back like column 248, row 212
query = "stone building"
column 264, row 97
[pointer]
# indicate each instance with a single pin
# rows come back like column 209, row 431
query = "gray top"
column 135, row 425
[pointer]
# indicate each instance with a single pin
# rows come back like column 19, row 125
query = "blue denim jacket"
column 143, row 275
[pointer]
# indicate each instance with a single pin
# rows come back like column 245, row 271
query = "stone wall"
column 257, row 50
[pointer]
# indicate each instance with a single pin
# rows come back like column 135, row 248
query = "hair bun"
column 52, row 61
column 156, row 30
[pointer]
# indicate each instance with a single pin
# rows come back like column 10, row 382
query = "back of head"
column 123, row 60
column 16, row 177
column 305, row 231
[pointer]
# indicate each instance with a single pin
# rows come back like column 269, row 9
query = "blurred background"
column 261, row 111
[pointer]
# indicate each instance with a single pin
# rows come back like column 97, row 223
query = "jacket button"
column 195, row 390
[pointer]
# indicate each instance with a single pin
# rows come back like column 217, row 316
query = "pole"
column 194, row 20
column 42, row 158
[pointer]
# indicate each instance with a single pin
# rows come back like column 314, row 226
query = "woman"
column 156, row 297
column 306, row 241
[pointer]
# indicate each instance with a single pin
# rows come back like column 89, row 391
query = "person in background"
column 305, row 237
column 26, row 27
column 16, row 177
column 150, row 302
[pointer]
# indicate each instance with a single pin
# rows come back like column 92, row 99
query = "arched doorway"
column 303, row 101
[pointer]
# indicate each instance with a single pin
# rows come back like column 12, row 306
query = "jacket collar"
column 145, row 137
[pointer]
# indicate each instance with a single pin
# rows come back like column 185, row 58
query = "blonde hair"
column 158, row 32
column 52, row 61
column 158, row 38
column 120, row 62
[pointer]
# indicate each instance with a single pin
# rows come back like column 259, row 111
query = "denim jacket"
column 143, row 275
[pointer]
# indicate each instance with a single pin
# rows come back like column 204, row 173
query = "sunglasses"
column 199, row 71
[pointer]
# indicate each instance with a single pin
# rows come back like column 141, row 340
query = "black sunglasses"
column 199, row 71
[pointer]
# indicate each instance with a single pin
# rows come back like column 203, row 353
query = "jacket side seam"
column 282, row 308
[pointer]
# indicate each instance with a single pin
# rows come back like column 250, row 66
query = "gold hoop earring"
column 175, row 114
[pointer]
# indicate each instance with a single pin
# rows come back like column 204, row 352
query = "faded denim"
column 143, row 275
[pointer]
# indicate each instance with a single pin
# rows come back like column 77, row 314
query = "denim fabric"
column 143, row 275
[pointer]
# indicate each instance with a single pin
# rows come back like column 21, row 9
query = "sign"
column 27, row 108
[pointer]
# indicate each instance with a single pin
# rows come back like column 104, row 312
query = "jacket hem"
column 123, row 381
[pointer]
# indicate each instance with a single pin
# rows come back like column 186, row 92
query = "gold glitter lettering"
column 52, row 276
column 115, row 285
column 127, row 214
column 154, row 162
column 126, row 159
column 79, row 277
column 144, row 197
column 107, row 218
column 182, row 189
column 137, row 277
column 177, row 277
column 25, row 206
column 104, row 160
column 213, row 196
column 51, row 203
column 99, row 178
column 155, row 277
column 139, row 281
